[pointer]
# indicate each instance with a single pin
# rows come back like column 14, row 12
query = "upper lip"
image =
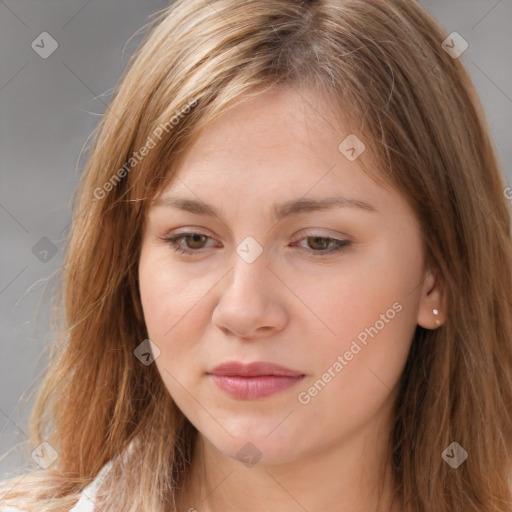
column 255, row 369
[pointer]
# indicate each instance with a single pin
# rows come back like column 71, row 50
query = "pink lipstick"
column 253, row 380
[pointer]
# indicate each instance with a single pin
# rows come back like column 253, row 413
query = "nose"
column 250, row 304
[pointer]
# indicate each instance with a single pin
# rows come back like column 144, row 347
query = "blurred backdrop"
column 60, row 60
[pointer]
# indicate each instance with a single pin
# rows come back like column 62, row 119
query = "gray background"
column 48, row 108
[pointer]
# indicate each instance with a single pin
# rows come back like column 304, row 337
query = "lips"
column 253, row 380
column 256, row 369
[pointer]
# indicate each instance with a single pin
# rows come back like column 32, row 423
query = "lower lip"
column 254, row 387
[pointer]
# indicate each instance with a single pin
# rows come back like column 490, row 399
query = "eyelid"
column 319, row 232
column 183, row 232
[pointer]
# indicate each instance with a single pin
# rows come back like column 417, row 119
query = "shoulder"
column 5, row 488
column 86, row 502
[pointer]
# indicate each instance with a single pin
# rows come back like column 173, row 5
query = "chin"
column 255, row 446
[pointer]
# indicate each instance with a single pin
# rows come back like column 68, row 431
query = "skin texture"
column 290, row 306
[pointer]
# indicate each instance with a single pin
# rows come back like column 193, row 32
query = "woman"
column 288, row 279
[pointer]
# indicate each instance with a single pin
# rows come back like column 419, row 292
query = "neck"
column 353, row 476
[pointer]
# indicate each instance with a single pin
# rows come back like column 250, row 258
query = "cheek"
column 370, row 309
column 169, row 297
column 174, row 305
column 376, row 291
column 356, row 371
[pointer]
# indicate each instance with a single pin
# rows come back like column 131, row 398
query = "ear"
column 432, row 308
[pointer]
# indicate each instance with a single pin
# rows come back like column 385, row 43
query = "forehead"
column 272, row 148
column 280, row 121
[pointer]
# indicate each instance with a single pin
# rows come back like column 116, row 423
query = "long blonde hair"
column 383, row 65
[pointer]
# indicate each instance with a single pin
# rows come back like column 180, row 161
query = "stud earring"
column 436, row 312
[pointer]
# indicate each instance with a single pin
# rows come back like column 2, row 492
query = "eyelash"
column 340, row 245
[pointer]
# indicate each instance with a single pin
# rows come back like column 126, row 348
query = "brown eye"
column 319, row 242
column 194, row 242
column 323, row 245
column 197, row 241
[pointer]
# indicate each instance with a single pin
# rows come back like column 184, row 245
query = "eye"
column 322, row 245
column 194, row 242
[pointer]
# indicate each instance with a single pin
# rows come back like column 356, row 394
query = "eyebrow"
column 280, row 211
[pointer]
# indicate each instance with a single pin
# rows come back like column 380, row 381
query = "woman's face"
column 333, row 293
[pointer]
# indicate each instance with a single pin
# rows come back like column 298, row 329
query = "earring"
column 436, row 312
